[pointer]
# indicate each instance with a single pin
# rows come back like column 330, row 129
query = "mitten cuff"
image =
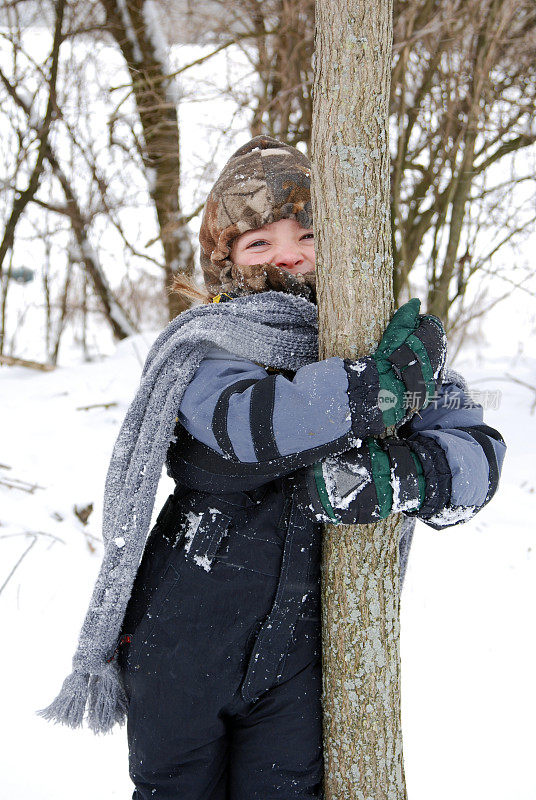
column 407, row 483
column 437, row 475
column 363, row 394
column 309, row 490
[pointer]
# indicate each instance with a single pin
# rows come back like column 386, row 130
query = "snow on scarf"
column 273, row 328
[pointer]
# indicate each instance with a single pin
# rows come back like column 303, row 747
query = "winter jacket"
column 241, row 427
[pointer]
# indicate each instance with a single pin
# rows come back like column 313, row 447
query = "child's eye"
column 263, row 241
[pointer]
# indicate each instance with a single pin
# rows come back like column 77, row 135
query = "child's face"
column 283, row 243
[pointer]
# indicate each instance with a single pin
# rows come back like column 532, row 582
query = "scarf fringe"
column 108, row 702
column 69, row 706
column 103, row 695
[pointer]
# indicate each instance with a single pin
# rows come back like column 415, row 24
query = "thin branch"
column 524, row 140
column 201, row 60
column 111, row 404
column 17, row 483
column 18, row 563
column 22, row 201
column 33, row 533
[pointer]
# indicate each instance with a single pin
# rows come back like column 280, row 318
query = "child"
column 220, row 653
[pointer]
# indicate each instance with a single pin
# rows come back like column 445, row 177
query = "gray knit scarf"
column 272, row 328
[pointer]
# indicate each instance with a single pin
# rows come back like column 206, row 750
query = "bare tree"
column 276, row 37
column 136, row 26
column 462, row 102
column 23, row 86
column 22, row 198
column 360, row 580
column 116, row 315
column 464, row 95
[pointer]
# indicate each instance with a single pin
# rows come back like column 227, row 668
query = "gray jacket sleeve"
column 243, row 413
column 462, row 457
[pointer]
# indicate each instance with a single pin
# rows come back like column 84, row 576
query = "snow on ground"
column 46, row 440
column 468, row 648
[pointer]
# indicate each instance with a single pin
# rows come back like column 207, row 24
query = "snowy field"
column 468, row 645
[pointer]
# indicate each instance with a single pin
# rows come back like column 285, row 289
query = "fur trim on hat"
column 265, row 277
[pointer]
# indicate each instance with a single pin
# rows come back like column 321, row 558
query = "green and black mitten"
column 410, row 358
column 362, row 485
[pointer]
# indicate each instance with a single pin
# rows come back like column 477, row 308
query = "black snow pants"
column 222, row 660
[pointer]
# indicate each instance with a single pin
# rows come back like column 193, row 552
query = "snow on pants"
column 223, row 670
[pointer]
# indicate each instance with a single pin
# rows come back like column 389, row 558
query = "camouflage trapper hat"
column 264, row 181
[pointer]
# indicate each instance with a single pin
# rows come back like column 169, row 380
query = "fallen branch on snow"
column 97, row 405
column 16, row 483
column 13, row 361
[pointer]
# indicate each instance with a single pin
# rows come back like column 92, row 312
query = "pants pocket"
column 205, row 535
column 143, row 631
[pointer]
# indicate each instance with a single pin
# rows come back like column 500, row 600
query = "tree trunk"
column 360, row 571
column 138, row 35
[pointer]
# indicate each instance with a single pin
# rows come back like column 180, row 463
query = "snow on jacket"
column 240, row 427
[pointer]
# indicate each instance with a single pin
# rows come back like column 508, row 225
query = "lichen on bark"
column 360, row 591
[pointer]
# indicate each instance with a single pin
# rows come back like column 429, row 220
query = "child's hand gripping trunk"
column 362, row 485
column 410, row 359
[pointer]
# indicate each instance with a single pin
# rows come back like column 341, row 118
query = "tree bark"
column 360, row 570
